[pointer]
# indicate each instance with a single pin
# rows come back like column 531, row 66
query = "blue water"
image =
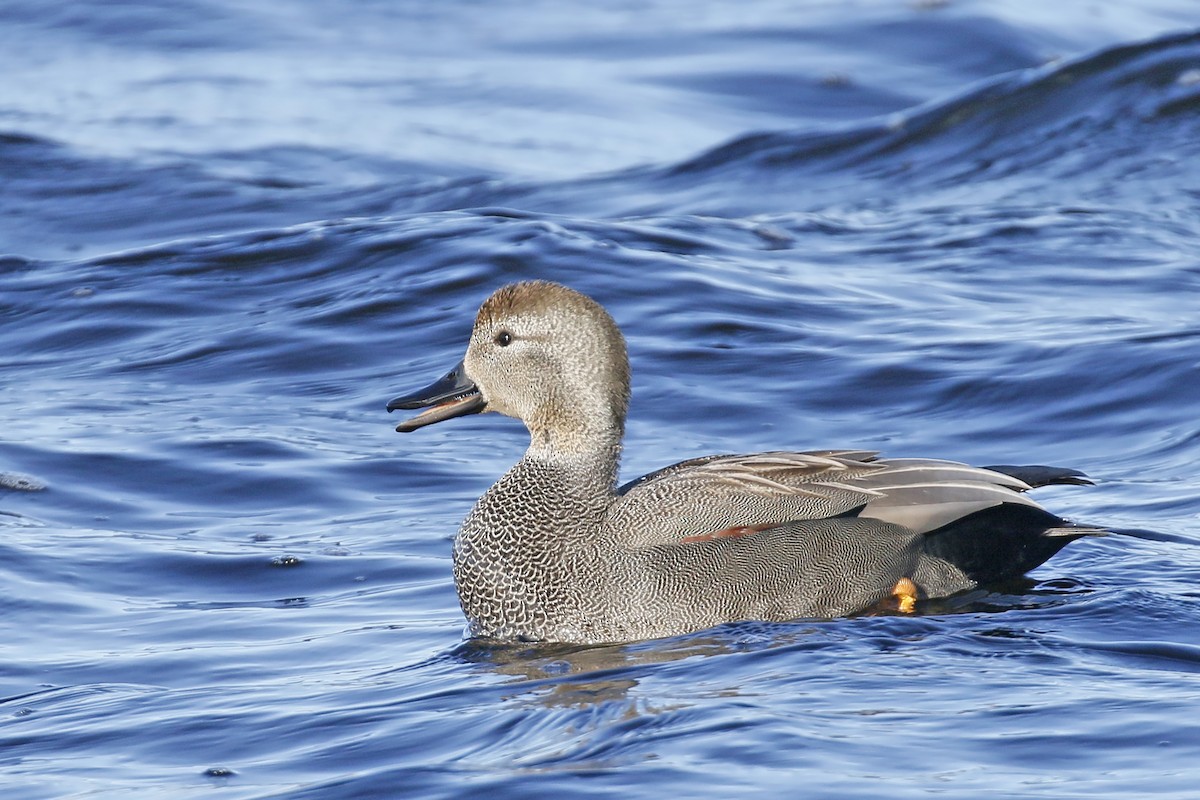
column 229, row 232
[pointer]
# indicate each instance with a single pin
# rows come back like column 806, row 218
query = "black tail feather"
column 1001, row 542
column 1037, row 475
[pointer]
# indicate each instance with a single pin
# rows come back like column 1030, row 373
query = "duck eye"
column 504, row 338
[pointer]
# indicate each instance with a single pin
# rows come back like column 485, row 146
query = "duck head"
column 542, row 353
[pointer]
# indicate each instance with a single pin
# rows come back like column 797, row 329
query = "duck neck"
column 568, row 483
column 590, row 440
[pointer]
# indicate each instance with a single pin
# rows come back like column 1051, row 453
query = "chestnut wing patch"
column 729, row 533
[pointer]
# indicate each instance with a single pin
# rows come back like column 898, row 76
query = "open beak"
column 453, row 395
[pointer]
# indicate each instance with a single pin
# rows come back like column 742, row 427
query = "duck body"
column 555, row 551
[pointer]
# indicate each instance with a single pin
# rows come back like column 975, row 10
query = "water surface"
column 229, row 234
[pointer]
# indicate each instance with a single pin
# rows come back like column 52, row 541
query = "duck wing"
column 925, row 494
column 737, row 495
column 715, row 496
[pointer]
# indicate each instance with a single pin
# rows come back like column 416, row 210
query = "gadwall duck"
column 555, row 551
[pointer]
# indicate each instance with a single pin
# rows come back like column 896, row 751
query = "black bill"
column 453, row 395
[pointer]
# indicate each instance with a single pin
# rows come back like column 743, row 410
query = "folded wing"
column 738, row 495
